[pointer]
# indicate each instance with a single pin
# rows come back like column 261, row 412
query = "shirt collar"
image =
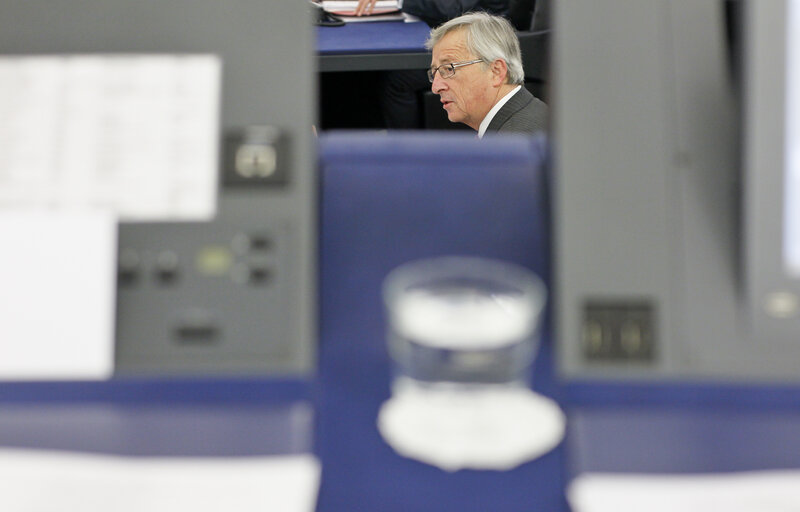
column 497, row 106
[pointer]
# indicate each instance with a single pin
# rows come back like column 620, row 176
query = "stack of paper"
column 348, row 7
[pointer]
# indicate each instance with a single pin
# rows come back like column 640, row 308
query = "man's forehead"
column 451, row 45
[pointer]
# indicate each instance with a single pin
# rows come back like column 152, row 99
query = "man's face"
column 468, row 95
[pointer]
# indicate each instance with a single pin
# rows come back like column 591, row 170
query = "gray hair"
column 489, row 38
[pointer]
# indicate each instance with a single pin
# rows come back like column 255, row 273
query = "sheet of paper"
column 54, row 482
column 791, row 223
column 57, row 275
column 761, row 491
column 137, row 134
column 398, row 16
column 348, row 7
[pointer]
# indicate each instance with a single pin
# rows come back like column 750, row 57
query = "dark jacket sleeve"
column 436, row 12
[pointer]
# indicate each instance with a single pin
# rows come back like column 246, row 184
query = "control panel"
column 229, row 296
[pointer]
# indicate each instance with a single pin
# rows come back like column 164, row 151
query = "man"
column 400, row 89
column 476, row 69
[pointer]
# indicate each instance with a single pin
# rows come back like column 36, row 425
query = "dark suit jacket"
column 436, row 12
column 522, row 113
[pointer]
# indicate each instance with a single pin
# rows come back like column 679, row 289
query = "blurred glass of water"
column 462, row 323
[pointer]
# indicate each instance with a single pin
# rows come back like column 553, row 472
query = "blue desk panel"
column 388, row 199
column 165, row 417
column 159, row 429
column 683, row 427
column 373, row 46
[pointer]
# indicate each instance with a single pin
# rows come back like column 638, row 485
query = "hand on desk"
column 365, row 7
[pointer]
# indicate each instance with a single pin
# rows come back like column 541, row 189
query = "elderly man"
column 476, row 69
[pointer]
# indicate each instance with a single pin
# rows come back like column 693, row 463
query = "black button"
column 167, row 266
column 260, row 275
column 260, row 243
column 129, row 267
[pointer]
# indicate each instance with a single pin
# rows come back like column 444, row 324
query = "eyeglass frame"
column 453, row 65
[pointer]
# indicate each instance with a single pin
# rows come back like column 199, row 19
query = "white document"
column 395, row 16
column 57, row 295
column 348, row 7
column 791, row 215
column 56, row 482
column 761, row 491
column 137, row 134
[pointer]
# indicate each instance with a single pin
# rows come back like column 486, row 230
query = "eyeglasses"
column 448, row 70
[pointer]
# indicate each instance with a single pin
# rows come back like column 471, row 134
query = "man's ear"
column 499, row 72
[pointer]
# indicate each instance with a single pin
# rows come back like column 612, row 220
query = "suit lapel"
column 518, row 101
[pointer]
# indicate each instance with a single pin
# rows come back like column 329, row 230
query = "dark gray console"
column 671, row 211
column 236, row 294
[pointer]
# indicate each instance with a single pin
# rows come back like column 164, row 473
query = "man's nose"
column 438, row 84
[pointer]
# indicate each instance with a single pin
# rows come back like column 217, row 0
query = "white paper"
column 57, row 292
column 763, row 491
column 56, row 482
column 373, row 18
column 137, row 134
column 791, row 232
column 349, row 6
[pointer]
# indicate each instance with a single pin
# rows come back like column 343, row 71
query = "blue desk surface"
column 378, row 37
column 373, row 46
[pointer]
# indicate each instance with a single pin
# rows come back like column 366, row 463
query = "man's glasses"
column 448, row 70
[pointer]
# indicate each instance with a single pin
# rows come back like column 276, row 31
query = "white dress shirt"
column 495, row 109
